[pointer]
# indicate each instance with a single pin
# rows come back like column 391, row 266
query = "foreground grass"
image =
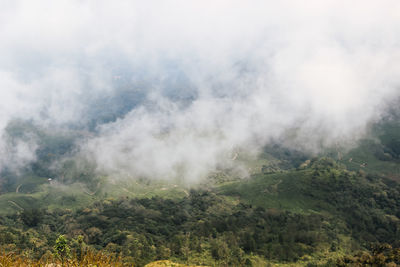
column 89, row 258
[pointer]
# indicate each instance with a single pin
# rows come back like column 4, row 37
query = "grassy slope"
column 364, row 154
column 270, row 191
column 74, row 196
column 380, row 153
column 287, row 190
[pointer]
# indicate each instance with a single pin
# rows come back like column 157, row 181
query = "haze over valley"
column 193, row 117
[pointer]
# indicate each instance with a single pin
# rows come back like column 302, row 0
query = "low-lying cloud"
column 172, row 88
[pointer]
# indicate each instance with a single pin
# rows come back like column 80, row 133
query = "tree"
column 61, row 247
column 31, row 217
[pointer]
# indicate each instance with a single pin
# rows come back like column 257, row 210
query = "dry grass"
column 167, row 263
column 90, row 258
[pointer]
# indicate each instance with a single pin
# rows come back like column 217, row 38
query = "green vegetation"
column 293, row 210
column 318, row 213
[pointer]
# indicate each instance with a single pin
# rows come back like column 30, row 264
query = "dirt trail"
column 15, row 204
column 92, row 193
column 18, row 187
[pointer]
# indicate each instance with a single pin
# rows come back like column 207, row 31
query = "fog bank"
column 173, row 88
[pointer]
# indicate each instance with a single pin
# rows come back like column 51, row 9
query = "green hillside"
column 294, row 209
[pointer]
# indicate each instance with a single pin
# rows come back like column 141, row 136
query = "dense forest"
column 334, row 209
column 333, row 215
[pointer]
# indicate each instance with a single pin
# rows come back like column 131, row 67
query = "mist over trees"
column 218, row 133
column 188, row 80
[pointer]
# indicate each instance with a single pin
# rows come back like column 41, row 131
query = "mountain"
column 334, row 208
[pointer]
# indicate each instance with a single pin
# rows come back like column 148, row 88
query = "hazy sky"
column 214, row 76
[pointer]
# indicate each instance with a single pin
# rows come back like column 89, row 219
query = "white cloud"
column 258, row 69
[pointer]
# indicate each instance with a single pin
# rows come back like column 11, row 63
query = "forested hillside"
column 199, row 133
column 318, row 211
